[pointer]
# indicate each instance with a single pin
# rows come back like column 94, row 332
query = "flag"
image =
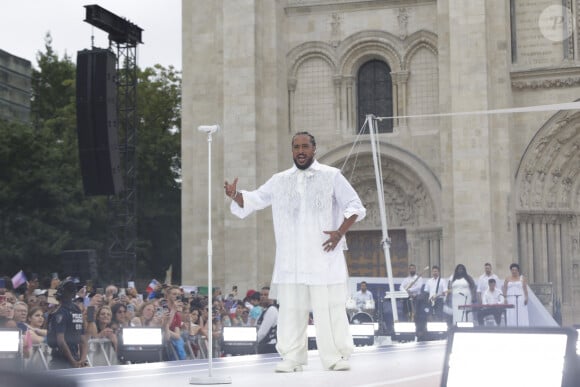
column 152, row 285
column 18, row 279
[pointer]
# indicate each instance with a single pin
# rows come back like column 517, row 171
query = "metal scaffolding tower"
column 124, row 36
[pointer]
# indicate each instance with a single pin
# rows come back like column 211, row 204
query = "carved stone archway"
column 548, row 210
column 412, row 196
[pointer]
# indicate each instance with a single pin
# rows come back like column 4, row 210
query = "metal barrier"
column 196, row 346
column 39, row 357
column 101, row 353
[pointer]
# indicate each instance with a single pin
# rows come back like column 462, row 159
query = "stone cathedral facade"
column 476, row 168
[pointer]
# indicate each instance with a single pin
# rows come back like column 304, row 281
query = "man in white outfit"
column 492, row 296
column 313, row 206
column 363, row 296
column 482, row 286
column 412, row 284
column 436, row 287
column 483, row 281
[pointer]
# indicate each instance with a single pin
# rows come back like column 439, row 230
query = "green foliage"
column 159, row 167
column 43, row 209
column 53, row 88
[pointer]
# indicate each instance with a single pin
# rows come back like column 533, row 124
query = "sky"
column 24, row 23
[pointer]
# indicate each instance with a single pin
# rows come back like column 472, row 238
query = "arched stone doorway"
column 548, row 210
column 412, row 196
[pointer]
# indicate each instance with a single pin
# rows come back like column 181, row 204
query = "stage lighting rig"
column 120, row 30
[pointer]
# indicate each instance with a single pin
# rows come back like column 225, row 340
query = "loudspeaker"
column 81, row 264
column 96, row 102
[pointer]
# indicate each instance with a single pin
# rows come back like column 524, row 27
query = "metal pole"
column 209, row 261
column 386, row 242
column 210, row 378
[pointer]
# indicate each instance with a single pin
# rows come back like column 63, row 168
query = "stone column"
column 202, row 90
column 337, row 82
column 400, row 79
column 291, row 94
column 477, row 156
column 350, row 108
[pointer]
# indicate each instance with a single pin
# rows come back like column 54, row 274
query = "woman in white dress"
column 515, row 290
column 462, row 289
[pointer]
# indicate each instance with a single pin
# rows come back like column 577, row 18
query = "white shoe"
column 341, row 365
column 288, row 366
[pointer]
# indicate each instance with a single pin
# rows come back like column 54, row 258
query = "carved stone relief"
column 407, row 201
column 547, row 186
column 550, row 166
column 335, row 32
column 403, row 19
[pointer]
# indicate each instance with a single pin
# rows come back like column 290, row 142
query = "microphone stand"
column 210, row 379
column 464, row 316
column 517, row 296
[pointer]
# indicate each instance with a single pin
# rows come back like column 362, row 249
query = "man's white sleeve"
column 348, row 199
column 253, row 200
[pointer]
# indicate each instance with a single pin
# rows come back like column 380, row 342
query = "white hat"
column 40, row 292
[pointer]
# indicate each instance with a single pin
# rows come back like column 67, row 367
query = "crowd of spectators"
column 182, row 315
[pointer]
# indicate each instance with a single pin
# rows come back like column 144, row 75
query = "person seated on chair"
column 491, row 296
column 363, row 296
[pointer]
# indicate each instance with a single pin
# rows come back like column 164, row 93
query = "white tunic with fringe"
column 304, row 204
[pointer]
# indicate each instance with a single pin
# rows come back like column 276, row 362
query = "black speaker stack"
column 97, row 125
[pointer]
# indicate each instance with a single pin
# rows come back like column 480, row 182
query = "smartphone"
column 122, row 292
column 2, row 283
column 164, row 305
column 101, row 291
column 131, row 308
column 159, row 311
column 90, row 313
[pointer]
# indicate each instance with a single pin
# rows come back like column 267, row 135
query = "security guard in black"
column 66, row 335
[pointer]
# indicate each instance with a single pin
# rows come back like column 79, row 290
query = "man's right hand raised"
column 230, row 189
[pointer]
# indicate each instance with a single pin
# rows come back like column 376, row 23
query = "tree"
column 43, row 209
column 159, row 168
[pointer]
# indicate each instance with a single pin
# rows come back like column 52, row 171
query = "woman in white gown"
column 462, row 289
column 515, row 290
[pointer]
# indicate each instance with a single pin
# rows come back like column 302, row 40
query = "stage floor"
column 393, row 364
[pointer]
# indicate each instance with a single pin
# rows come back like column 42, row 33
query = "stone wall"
column 462, row 188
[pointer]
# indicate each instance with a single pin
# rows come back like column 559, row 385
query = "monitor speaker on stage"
column 96, row 103
column 524, row 356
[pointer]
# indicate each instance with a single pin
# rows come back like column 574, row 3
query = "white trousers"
column 327, row 302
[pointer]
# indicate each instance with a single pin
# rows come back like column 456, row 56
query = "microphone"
column 461, row 294
column 208, row 128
